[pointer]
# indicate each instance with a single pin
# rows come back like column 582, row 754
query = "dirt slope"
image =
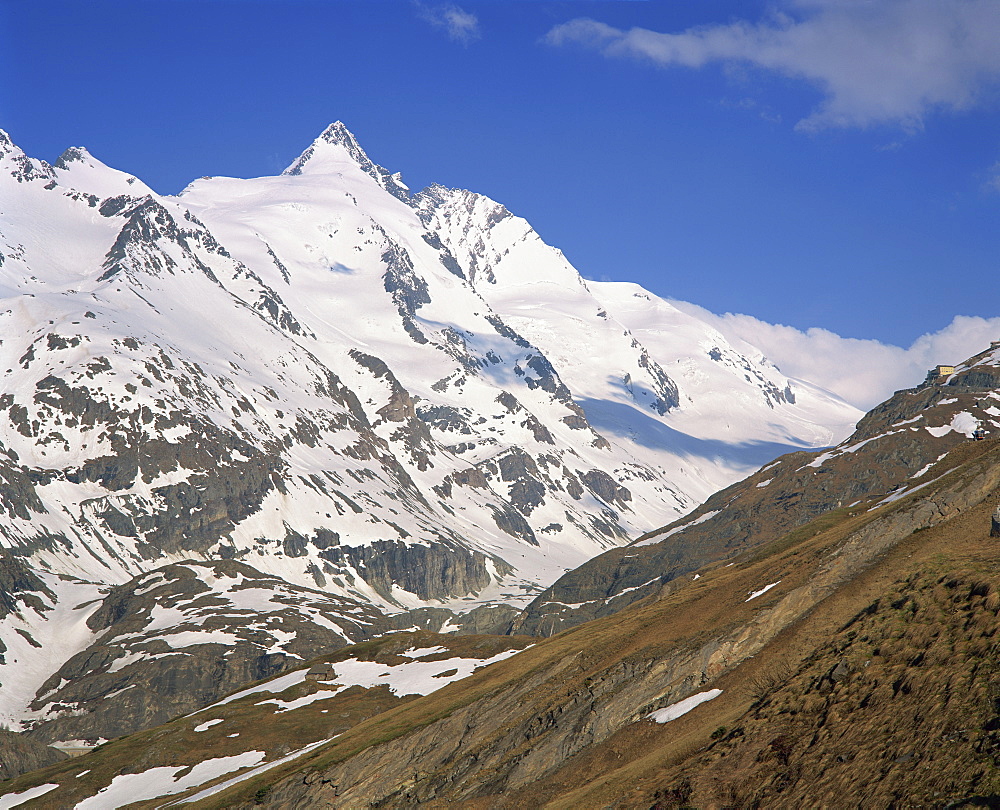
column 563, row 723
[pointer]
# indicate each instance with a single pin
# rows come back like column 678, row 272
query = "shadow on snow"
column 624, row 421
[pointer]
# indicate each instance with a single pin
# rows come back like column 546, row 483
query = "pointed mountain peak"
column 19, row 165
column 329, row 151
column 338, row 132
column 79, row 169
column 75, row 154
column 315, row 159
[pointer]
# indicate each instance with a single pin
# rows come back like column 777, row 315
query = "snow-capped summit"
column 404, row 400
column 481, row 373
column 337, row 145
column 77, row 168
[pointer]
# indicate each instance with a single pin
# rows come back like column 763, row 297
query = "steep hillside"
column 565, row 722
column 266, row 724
column 405, row 401
column 895, row 447
column 739, row 688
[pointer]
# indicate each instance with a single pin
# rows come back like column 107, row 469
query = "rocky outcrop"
column 20, row 754
column 181, row 637
column 430, row 572
column 20, row 588
column 573, row 695
column 894, row 448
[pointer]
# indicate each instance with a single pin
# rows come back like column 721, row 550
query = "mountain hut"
column 938, row 374
column 321, row 672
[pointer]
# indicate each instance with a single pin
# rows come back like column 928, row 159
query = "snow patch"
column 762, row 591
column 163, row 781
column 662, row 537
column 682, row 707
column 248, row 775
column 14, row 799
column 962, row 422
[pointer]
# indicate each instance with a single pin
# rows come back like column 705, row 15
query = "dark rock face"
column 431, row 572
column 185, row 635
column 20, row 754
column 446, row 418
column 485, row 619
column 18, row 498
column 519, row 470
column 408, row 290
column 605, row 487
column 538, row 430
column 891, row 445
column 510, row 521
column 19, row 587
column 667, row 396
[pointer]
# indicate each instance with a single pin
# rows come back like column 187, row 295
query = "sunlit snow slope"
column 399, row 398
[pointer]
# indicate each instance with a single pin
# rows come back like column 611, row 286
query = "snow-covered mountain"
column 399, row 399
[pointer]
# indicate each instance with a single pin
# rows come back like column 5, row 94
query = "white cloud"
column 864, row 372
column 993, row 177
column 461, row 26
column 876, row 62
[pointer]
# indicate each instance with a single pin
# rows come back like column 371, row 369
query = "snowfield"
column 397, row 399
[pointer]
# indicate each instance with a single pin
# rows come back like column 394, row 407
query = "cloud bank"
column 876, row 62
column 460, row 26
column 863, row 372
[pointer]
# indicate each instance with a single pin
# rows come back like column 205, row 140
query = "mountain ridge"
column 894, row 442
column 324, row 377
column 288, row 417
column 864, row 612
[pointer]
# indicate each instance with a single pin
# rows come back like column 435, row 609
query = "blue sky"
column 816, row 163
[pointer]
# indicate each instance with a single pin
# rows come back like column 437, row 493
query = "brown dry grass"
column 920, row 676
column 628, row 768
column 946, row 584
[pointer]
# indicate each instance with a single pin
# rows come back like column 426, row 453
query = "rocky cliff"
column 406, row 401
column 894, row 449
column 729, row 687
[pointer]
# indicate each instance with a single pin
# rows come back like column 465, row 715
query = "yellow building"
column 938, row 374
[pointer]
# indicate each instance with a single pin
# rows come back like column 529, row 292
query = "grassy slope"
column 247, row 725
column 643, row 757
column 795, row 633
column 913, row 721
